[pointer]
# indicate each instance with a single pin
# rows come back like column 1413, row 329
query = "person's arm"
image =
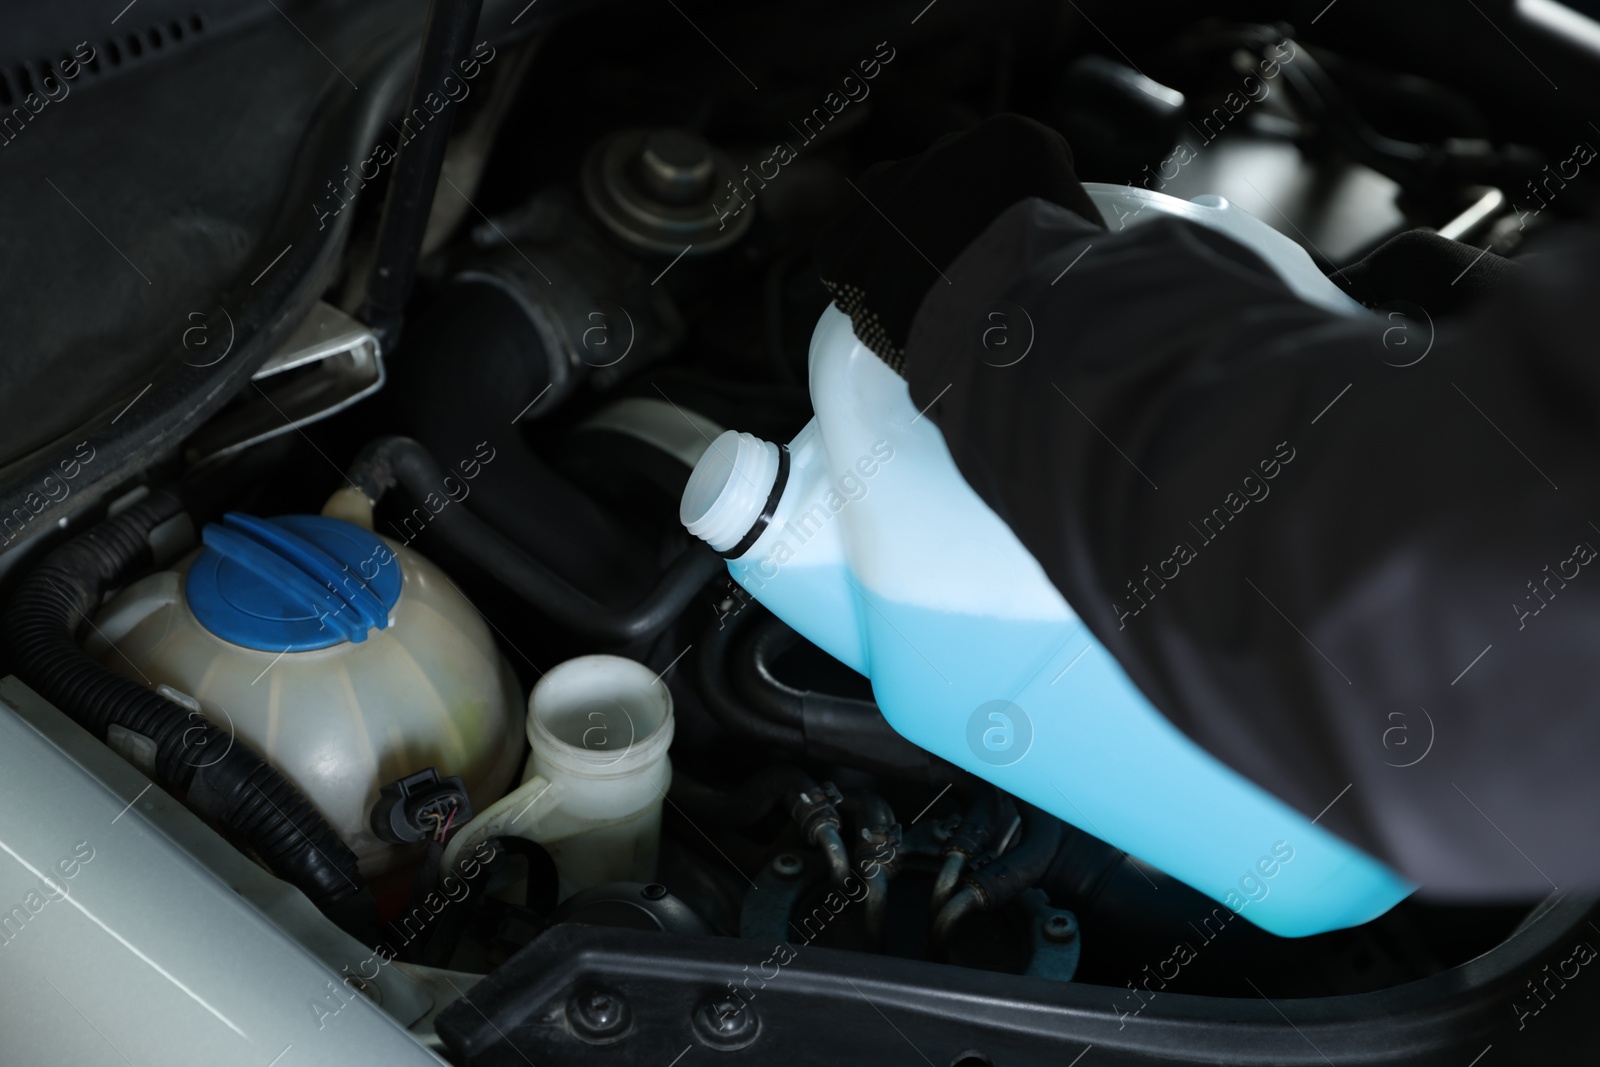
column 1371, row 588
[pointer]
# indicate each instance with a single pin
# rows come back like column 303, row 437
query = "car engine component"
column 347, row 660
column 363, row 698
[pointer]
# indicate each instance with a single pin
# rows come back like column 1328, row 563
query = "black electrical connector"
column 420, row 806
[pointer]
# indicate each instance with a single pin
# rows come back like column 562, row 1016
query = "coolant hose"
column 986, row 824
column 729, row 708
column 813, row 807
column 993, row 881
column 1003, row 877
column 955, row 909
column 440, row 399
column 875, row 854
column 389, row 461
column 744, row 806
column 833, row 728
column 238, row 789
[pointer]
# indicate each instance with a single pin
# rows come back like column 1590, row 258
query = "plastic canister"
column 345, row 659
column 863, row 536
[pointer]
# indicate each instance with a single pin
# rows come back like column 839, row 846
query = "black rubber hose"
column 730, row 709
column 416, row 170
column 811, row 807
column 1412, row 165
column 958, row 907
column 768, row 639
column 834, row 729
column 984, row 826
column 744, row 806
column 1002, row 878
column 238, row 789
column 872, row 814
column 441, row 399
column 389, row 461
column 877, row 840
column 993, row 881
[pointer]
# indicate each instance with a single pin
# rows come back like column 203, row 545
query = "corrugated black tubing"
column 225, row 779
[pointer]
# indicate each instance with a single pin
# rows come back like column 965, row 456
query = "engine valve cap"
column 725, row 1022
column 667, row 192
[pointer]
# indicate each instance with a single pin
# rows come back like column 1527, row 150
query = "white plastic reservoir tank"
column 346, row 660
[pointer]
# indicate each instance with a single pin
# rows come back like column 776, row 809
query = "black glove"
column 1425, row 269
column 916, row 215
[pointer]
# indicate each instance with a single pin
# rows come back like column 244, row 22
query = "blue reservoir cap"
column 295, row 583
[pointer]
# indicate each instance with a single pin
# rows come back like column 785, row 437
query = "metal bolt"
column 787, row 864
column 726, row 1022
column 724, row 1016
column 653, row 891
column 597, row 1013
column 1060, row 928
column 676, row 166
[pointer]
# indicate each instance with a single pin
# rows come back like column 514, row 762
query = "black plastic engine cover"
column 806, row 1006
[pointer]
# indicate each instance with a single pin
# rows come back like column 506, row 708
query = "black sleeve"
column 1351, row 557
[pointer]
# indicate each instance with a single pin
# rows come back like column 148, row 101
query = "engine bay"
column 414, row 566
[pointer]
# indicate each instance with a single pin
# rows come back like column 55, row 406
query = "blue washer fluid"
column 863, row 536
